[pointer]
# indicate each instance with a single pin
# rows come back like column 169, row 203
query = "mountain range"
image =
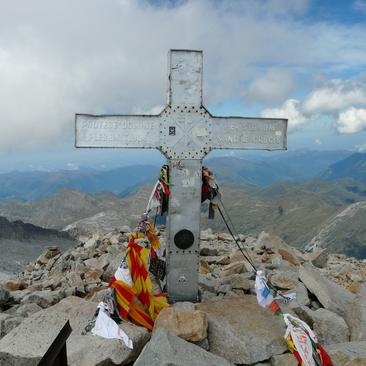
column 259, row 194
column 261, row 170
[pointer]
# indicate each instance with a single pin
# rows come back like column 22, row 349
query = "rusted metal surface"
column 185, row 132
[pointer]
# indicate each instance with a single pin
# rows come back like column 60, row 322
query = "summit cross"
column 185, row 132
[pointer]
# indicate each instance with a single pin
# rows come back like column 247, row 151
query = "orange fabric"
column 137, row 259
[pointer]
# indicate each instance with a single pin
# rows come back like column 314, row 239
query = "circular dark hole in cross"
column 184, row 239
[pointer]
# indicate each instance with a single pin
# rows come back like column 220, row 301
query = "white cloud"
column 360, row 148
column 58, row 58
column 335, row 95
column 359, row 5
column 72, row 166
column 352, row 120
column 275, row 85
column 318, row 142
column 290, row 110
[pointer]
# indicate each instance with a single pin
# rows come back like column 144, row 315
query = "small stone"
column 93, row 276
column 4, row 296
column 43, row 298
column 92, row 242
column 208, row 252
column 224, row 237
column 187, row 324
column 288, row 256
column 284, row 281
column 221, row 260
column 240, row 282
column 232, row 268
column 15, row 285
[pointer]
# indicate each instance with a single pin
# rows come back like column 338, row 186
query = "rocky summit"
column 227, row 327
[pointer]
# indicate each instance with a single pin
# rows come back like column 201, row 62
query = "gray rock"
column 44, row 298
column 4, row 296
column 358, row 315
column 242, row 332
column 321, row 260
column 206, row 252
column 166, row 349
column 329, row 327
column 331, row 295
column 24, row 310
column 348, row 354
column 286, row 359
column 7, row 323
column 185, row 305
column 26, row 344
column 115, row 261
column 302, row 297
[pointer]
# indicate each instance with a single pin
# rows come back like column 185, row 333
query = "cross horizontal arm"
column 130, row 131
column 249, row 133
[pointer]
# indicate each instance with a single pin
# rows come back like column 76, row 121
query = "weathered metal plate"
column 117, row 131
column 185, row 132
column 185, row 78
column 184, row 214
column 249, row 133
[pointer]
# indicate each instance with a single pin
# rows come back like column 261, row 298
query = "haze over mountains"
column 299, row 196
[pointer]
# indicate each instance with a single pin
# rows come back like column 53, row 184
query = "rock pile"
column 226, row 328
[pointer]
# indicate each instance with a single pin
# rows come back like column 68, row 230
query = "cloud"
column 289, row 109
column 275, row 85
column 318, row 142
column 59, row 58
column 359, row 5
column 72, row 166
column 360, row 148
column 352, row 120
column 335, row 95
column 341, row 100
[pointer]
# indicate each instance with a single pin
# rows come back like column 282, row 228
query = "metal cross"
column 185, row 132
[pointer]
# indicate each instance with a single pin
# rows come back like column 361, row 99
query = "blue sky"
column 300, row 59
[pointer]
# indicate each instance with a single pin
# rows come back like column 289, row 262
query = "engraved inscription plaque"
column 117, row 131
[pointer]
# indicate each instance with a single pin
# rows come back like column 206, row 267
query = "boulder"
column 92, row 242
column 302, row 297
column 24, row 310
column 241, row 331
column 237, row 267
column 287, row 359
column 12, row 285
column 209, row 252
column 358, row 315
column 190, row 325
column 4, row 296
column 288, row 256
column 26, row 344
column 348, row 354
column 166, row 349
column 222, row 260
column 331, row 295
column 329, row 327
column 44, row 298
column 7, row 323
column 240, row 282
column 284, row 280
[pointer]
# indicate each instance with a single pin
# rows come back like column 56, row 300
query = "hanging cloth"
column 264, row 296
column 303, row 343
column 209, row 191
